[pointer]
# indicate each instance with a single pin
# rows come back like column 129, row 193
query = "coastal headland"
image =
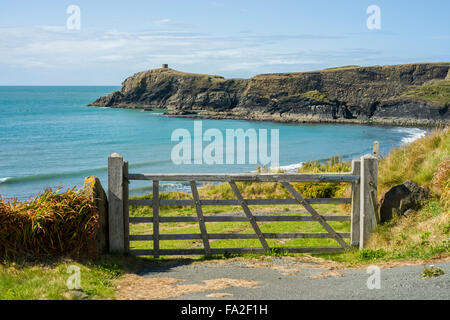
column 411, row 95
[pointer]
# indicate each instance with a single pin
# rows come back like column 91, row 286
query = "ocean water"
column 50, row 138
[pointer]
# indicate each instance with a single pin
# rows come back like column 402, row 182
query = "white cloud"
column 441, row 37
column 242, row 54
column 162, row 21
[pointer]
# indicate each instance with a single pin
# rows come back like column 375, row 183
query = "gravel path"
column 286, row 279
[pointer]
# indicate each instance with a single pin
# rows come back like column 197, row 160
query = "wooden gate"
column 363, row 179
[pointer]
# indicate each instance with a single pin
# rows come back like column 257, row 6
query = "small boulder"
column 77, row 294
column 401, row 198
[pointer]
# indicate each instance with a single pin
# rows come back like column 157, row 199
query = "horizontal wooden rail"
column 149, row 252
column 363, row 180
column 216, row 236
column 233, row 202
column 237, row 219
column 260, row 177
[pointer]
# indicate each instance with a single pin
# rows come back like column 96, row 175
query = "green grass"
column 432, row 272
column 239, row 227
column 251, row 190
column 312, row 95
column 343, row 67
column 437, row 92
column 418, row 161
column 422, row 235
column 47, row 280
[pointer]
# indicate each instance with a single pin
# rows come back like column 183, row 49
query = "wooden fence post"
column 368, row 197
column 126, row 209
column 116, row 203
column 376, row 149
column 155, row 200
column 356, row 200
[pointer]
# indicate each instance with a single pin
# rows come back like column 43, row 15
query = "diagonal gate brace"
column 201, row 219
column 315, row 214
column 249, row 215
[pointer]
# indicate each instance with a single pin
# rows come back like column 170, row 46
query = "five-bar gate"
column 363, row 179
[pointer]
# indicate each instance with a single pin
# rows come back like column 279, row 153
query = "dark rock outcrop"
column 355, row 94
column 401, row 199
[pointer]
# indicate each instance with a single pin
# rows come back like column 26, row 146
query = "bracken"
column 53, row 224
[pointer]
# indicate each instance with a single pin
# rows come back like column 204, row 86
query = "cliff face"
column 381, row 94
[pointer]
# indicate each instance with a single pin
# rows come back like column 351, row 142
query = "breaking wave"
column 412, row 134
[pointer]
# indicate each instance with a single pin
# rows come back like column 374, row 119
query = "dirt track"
column 282, row 278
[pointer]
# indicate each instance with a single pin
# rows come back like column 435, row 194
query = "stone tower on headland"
column 165, row 66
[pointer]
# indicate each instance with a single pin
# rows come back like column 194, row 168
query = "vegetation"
column 343, row 67
column 47, row 280
column 312, row 95
column 438, row 91
column 425, row 161
column 432, row 272
column 52, row 224
column 419, row 235
column 251, row 190
column 324, row 190
column 57, row 224
column 266, row 190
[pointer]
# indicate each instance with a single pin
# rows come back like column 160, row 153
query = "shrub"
column 432, row 272
column 266, row 190
column 52, row 224
column 369, row 254
column 323, row 190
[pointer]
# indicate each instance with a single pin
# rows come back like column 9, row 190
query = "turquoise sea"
column 50, row 138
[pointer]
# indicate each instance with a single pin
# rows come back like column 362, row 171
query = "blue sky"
column 229, row 38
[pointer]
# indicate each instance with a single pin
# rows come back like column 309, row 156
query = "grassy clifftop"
column 386, row 94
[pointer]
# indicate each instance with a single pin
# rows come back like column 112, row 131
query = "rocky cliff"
column 413, row 94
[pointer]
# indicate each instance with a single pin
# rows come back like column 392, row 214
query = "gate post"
column 376, row 149
column 126, row 208
column 356, row 201
column 368, row 198
column 116, row 203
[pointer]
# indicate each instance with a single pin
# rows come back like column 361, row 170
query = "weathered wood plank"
column 215, row 236
column 156, row 218
column 262, row 177
column 249, row 215
column 116, row 204
column 147, row 252
column 355, row 211
column 237, row 219
column 315, row 214
column 368, row 213
column 233, row 202
column 201, row 220
column 126, row 209
column 376, row 149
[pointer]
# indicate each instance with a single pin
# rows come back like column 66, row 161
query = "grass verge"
column 47, row 280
